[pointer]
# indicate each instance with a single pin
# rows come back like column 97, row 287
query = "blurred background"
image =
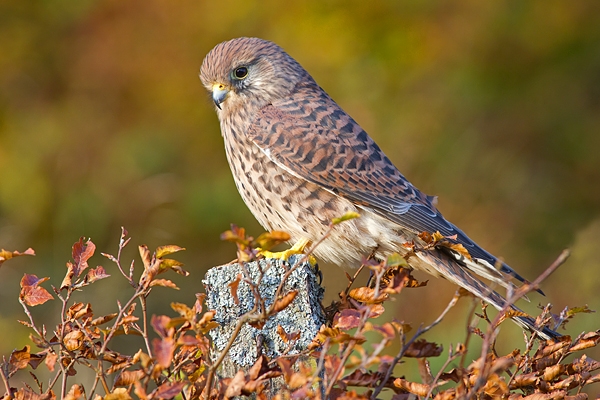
column 492, row 106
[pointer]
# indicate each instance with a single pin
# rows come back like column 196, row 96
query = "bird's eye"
column 240, row 72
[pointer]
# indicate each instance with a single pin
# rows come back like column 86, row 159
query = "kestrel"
column 298, row 161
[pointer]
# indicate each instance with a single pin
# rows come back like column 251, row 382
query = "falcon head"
column 249, row 73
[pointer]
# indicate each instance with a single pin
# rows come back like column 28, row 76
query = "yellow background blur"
column 492, row 106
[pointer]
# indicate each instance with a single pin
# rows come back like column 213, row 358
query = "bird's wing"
column 311, row 137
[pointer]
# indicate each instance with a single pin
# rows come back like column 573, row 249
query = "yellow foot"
column 297, row 248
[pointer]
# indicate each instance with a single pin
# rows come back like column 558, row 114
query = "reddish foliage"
column 349, row 359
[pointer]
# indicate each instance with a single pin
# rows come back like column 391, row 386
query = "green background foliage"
column 492, row 106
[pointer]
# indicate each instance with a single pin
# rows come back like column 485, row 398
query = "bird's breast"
column 283, row 201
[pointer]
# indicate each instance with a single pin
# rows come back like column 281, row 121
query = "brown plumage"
column 298, row 160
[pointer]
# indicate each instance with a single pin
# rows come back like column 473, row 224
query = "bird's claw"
column 298, row 248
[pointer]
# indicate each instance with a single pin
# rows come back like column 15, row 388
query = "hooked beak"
column 219, row 94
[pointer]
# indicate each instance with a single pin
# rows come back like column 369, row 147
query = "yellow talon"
column 297, row 248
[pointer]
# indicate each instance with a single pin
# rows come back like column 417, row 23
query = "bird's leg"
column 298, row 248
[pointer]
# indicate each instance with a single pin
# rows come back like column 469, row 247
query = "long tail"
column 450, row 268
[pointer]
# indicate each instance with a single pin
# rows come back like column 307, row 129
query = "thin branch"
column 5, row 380
column 145, row 325
column 451, row 357
column 419, row 332
column 492, row 331
column 348, row 351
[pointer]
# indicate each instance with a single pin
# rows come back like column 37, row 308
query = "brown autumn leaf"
column 512, row 313
column 268, row 240
column 387, row 330
column 50, row 360
column 425, row 371
column 583, row 364
column 412, row 282
column 39, row 342
column 394, row 280
column 28, row 394
column 235, row 235
column 35, row 296
column 437, row 236
column 76, row 392
column 188, row 340
column 367, row 295
column 588, row 340
column 139, row 391
column 6, row 255
column 347, row 319
column 524, row 380
column 162, row 251
column 104, row 319
column 163, row 350
column 375, row 310
column 502, row 364
column 361, row 378
column 164, row 283
column 495, row 386
column 333, row 364
column 206, row 323
column 81, row 253
column 286, row 337
column 95, row 274
column 552, row 372
column 36, row 359
column 19, row 359
column 31, row 293
column 251, row 387
column 145, row 256
column 162, row 325
column 183, row 310
column 74, row 340
column 168, row 390
column 297, row 380
column 118, row 394
column 169, row 263
column 452, row 375
column 200, row 297
column 128, row 319
column 555, row 395
column 173, row 265
column 233, row 288
column 285, row 365
column 422, row 348
column 551, row 347
column 457, row 247
column 334, row 335
column 426, row 237
column 256, row 368
column 68, row 279
column 235, row 385
column 541, row 364
column 284, row 301
column 79, row 310
column 32, row 280
column 578, row 396
column 65, row 362
column 415, row 388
